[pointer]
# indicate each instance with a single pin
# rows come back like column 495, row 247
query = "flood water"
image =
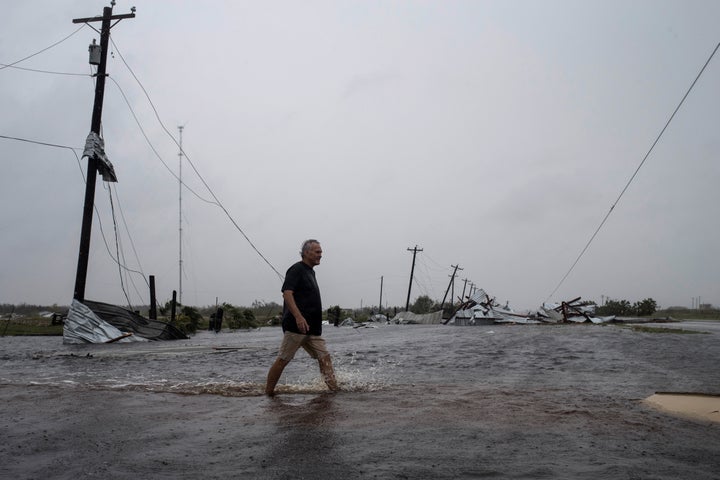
column 416, row 401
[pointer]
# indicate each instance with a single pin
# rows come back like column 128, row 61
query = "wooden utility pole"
column 380, row 304
column 414, row 250
column 152, row 313
column 452, row 283
column 81, row 277
column 462, row 298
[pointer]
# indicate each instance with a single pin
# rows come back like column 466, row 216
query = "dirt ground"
column 696, row 407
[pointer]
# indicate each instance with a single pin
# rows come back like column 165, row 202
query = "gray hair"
column 306, row 245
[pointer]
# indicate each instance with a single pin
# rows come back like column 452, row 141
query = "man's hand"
column 302, row 325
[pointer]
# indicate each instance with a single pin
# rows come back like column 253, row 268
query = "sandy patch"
column 698, row 406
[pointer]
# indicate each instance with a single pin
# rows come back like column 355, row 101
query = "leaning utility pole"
column 462, row 298
column 452, row 283
column 414, row 250
column 96, row 157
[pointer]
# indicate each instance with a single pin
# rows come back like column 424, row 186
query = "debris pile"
column 480, row 308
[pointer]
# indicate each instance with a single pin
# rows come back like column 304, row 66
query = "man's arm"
column 289, row 297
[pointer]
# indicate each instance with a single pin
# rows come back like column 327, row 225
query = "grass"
column 32, row 325
column 687, row 314
column 12, row 329
column 644, row 329
column 42, row 326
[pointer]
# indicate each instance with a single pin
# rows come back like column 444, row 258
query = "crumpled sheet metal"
column 83, row 326
column 95, row 148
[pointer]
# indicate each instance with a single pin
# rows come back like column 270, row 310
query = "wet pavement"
column 416, row 401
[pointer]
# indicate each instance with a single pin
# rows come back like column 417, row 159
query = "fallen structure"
column 481, row 309
column 96, row 322
column 572, row 311
column 417, row 318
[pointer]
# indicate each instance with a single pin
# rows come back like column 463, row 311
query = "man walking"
column 302, row 318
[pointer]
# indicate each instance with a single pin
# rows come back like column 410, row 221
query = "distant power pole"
column 412, row 270
column 94, row 159
column 452, row 282
column 381, row 287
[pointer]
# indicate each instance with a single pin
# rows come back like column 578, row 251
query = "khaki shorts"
column 314, row 345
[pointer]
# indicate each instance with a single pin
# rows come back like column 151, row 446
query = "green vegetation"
column 679, row 313
column 27, row 319
column 11, row 328
column 239, row 317
column 644, row 329
column 423, row 304
column 334, row 315
column 623, row 308
column 648, row 307
column 192, row 319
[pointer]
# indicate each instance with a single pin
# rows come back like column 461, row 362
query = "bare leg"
column 274, row 375
column 328, row 373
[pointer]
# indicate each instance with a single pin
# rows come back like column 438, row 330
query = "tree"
column 233, row 314
column 167, row 308
column 189, row 319
column 645, row 307
column 248, row 316
column 616, row 307
column 623, row 307
column 334, row 314
column 266, row 312
column 239, row 317
column 423, row 304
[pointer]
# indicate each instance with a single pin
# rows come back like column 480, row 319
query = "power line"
column 424, row 276
column 72, row 149
column 117, row 249
column 4, row 66
column 152, row 147
column 132, row 244
column 35, row 70
column 218, row 203
column 121, row 264
column 36, row 142
column 97, row 212
column 635, row 173
column 127, row 271
column 438, row 267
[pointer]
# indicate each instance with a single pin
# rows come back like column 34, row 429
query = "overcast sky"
column 493, row 135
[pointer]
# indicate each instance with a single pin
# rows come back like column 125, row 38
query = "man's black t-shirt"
column 300, row 278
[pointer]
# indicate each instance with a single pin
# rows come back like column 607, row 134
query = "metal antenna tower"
column 180, row 261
